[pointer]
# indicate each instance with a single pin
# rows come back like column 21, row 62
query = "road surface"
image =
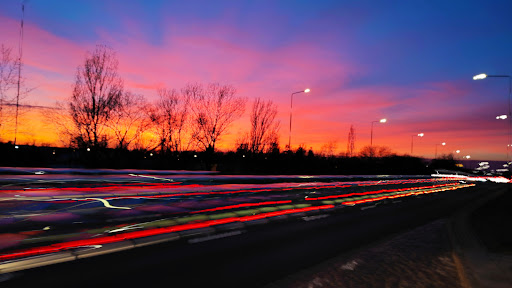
column 256, row 253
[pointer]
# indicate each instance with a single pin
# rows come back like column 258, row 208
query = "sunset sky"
column 411, row 62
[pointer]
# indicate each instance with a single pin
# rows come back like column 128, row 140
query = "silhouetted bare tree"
column 96, row 94
column 129, row 120
column 329, row 149
column 214, row 108
column 375, row 151
column 9, row 66
column 169, row 118
column 264, row 127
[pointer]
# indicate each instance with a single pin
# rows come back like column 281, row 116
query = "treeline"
column 233, row 162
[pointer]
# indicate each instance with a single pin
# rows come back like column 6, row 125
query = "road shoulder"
column 478, row 266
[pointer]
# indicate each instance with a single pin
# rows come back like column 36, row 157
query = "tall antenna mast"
column 351, row 140
column 19, row 72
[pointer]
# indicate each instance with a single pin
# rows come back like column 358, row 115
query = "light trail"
column 175, row 185
column 495, row 179
column 406, row 194
column 290, row 190
column 105, row 202
column 242, row 205
column 151, row 177
column 377, row 192
column 149, row 232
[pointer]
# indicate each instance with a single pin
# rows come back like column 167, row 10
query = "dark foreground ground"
column 471, row 248
column 492, row 224
column 421, row 257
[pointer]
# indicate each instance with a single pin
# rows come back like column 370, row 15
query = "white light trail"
column 151, row 177
column 129, row 227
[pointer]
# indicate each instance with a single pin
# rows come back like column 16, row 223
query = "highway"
column 255, row 253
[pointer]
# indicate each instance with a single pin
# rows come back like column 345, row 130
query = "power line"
column 30, row 106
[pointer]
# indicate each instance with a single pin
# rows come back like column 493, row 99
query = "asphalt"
column 468, row 247
column 255, row 256
column 481, row 258
column 480, row 239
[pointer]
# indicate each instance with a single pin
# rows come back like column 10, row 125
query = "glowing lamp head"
column 480, row 76
column 501, row 117
column 383, row 120
column 467, row 156
column 457, row 151
column 421, row 134
column 444, row 143
column 307, row 90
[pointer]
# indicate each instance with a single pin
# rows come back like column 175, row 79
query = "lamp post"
column 483, row 76
column 444, row 143
column 384, row 120
column 291, row 108
column 412, row 139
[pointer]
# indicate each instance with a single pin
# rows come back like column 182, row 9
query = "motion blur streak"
column 495, row 179
column 406, row 194
column 151, row 177
column 379, row 192
column 105, row 202
column 175, row 185
column 244, row 205
column 150, row 232
column 121, row 212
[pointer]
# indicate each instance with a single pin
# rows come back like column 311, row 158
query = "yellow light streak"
column 105, row 202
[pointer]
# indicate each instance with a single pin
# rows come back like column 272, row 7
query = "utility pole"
column 19, row 72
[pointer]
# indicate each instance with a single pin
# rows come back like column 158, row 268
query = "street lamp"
column 444, row 143
column 291, row 108
column 412, row 139
column 457, row 153
column 501, row 117
column 483, row 76
column 384, row 120
column 480, row 76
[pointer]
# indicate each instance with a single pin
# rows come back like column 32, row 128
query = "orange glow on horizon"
column 35, row 129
